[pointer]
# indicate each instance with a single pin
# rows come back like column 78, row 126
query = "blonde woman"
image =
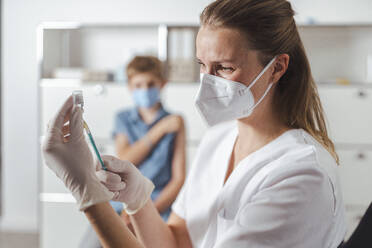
column 266, row 179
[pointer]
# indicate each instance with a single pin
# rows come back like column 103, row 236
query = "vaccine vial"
column 78, row 99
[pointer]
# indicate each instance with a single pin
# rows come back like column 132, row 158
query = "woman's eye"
column 224, row 69
column 200, row 63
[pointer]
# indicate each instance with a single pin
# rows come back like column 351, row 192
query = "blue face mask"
column 146, row 98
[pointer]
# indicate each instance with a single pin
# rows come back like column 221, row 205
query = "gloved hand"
column 70, row 157
column 127, row 182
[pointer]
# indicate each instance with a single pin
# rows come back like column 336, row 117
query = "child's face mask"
column 146, row 98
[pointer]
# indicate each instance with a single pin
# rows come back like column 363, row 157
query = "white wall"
column 334, row 10
column 19, row 78
column 20, row 116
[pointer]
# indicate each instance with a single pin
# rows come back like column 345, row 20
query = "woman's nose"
column 207, row 70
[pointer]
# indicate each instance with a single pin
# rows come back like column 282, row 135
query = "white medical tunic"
column 284, row 195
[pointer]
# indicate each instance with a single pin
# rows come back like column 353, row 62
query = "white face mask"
column 220, row 99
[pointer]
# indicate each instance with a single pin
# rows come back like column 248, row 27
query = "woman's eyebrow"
column 225, row 60
column 229, row 60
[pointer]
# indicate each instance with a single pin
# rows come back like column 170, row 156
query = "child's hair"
column 142, row 64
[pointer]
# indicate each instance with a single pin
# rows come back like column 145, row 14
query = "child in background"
column 149, row 136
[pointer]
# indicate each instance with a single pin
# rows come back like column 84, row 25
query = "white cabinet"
column 102, row 102
column 338, row 51
column 348, row 109
column 62, row 224
column 354, row 214
column 355, row 174
column 348, row 112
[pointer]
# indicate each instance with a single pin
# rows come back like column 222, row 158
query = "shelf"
column 108, row 47
column 55, row 82
column 334, row 24
column 353, row 84
column 77, row 25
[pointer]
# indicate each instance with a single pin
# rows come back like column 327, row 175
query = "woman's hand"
column 127, row 182
column 66, row 152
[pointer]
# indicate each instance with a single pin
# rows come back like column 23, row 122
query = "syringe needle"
column 94, row 145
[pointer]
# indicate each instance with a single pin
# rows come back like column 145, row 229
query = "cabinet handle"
column 361, row 156
column 362, row 94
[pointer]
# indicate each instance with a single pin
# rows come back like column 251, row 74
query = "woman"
column 267, row 179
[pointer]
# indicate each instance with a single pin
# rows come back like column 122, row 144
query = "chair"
column 362, row 236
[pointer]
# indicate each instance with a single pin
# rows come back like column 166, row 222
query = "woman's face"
column 224, row 52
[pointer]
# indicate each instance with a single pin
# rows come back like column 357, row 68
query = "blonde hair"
column 143, row 64
column 270, row 28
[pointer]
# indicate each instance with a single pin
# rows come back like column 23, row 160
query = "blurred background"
column 50, row 48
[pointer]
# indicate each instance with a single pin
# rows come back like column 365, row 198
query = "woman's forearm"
column 111, row 230
column 150, row 228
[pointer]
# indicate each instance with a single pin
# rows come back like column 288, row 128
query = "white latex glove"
column 71, row 159
column 126, row 181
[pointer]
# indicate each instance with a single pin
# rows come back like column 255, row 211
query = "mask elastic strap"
column 268, row 88
column 261, row 73
column 263, row 96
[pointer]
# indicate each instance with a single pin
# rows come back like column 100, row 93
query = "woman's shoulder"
column 298, row 154
column 324, row 160
column 298, row 147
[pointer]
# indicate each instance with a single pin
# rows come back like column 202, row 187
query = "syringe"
column 79, row 101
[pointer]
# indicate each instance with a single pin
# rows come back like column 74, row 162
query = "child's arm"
column 171, row 190
column 138, row 151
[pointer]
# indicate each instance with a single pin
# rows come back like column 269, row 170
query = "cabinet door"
column 101, row 103
column 348, row 111
column 62, row 225
column 354, row 214
column 355, row 172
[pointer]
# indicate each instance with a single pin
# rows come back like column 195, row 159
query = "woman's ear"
column 280, row 67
